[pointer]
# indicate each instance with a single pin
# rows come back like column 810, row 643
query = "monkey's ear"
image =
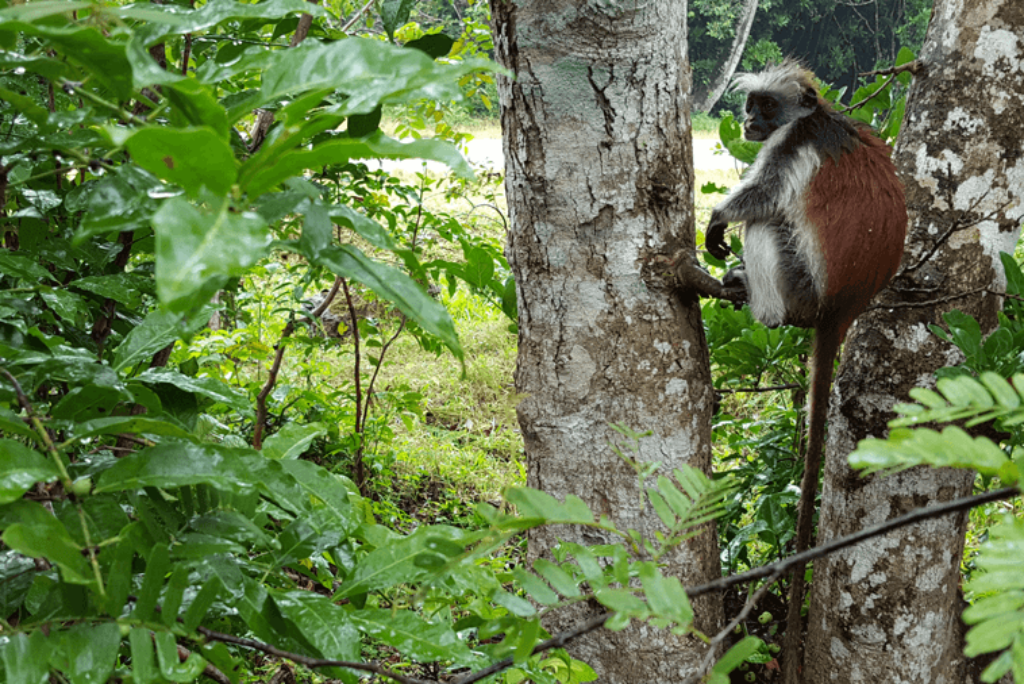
column 809, row 98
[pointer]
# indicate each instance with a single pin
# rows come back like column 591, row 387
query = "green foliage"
column 836, row 40
column 157, row 496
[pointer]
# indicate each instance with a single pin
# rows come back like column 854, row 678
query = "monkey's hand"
column 714, row 238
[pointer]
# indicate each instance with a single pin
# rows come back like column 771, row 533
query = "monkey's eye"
column 769, row 107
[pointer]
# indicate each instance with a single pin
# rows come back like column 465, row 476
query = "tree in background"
column 959, row 156
column 837, row 39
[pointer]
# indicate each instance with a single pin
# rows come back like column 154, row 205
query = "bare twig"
column 266, row 117
column 275, row 368
column 930, row 302
column 360, row 476
column 751, row 603
column 915, row 67
column 961, row 222
column 355, row 17
column 857, row 105
column 311, row 663
column 210, row 671
column 770, row 388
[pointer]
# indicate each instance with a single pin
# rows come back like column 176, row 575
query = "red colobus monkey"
column 825, row 220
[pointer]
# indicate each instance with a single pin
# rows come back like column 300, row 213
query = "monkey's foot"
column 684, row 273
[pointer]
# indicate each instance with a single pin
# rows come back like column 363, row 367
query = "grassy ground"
column 704, row 128
column 469, row 438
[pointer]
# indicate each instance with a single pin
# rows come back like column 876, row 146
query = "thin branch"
column 355, row 17
column 557, row 641
column 857, row 105
column 771, row 388
column 959, row 223
column 751, row 603
column 916, row 67
column 930, row 302
column 275, row 368
column 311, row 663
column 954, row 506
column 360, row 476
column 210, row 671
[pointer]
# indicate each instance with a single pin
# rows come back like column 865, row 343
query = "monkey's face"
column 763, row 116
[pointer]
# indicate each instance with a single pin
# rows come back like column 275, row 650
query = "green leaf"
column 138, row 425
column 396, row 287
column 175, row 21
column 368, row 229
column 907, row 448
column 201, row 603
column 537, row 589
column 264, row 170
column 197, row 252
column 158, row 564
column 123, row 288
column 195, row 158
column 563, row 583
column 326, row 496
column 394, row 14
column 12, row 423
column 291, row 440
column 87, row 653
column 211, row 388
column 160, row 328
column 533, row 503
column 414, row 637
column 197, row 105
column 18, row 266
column 171, row 666
column 519, row 607
column 1000, row 389
column 38, row 534
column 529, row 636
column 325, row 626
column 964, row 390
column 26, row 658
column 434, row 45
column 104, row 60
column 177, row 464
column 21, row 468
column 391, row 564
column 665, row 595
column 735, row 656
column 67, row 305
column 143, row 660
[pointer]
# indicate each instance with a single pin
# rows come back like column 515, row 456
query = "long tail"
column 826, row 347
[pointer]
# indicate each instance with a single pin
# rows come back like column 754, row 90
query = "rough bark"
column 599, row 177
column 705, row 100
column 889, row 610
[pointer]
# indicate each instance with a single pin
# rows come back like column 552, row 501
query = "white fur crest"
column 786, row 80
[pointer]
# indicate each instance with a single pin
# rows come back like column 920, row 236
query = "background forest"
column 257, row 411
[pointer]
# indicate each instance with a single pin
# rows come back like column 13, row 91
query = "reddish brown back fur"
column 860, row 208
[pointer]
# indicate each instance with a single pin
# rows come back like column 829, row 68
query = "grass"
column 468, row 437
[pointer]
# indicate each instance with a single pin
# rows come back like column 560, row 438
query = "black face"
column 763, row 118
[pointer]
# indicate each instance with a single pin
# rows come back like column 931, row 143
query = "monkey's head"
column 777, row 96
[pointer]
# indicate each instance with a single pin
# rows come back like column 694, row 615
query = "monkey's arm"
column 768, row 186
column 684, row 274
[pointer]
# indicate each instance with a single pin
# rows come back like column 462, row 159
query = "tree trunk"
column 705, row 101
column 599, row 175
column 889, row 610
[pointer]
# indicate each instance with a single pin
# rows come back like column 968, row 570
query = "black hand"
column 714, row 239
